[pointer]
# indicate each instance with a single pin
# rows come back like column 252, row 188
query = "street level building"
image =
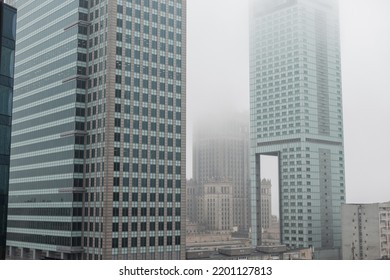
column 99, row 134
column 296, row 115
column 366, row 231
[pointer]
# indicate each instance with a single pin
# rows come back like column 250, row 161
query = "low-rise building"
column 366, row 231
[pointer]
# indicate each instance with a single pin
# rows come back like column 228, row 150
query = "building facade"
column 296, row 115
column 7, row 59
column 266, row 204
column 194, row 199
column 220, row 152
column 98, row 145
column 218, row 206
column 366, row 231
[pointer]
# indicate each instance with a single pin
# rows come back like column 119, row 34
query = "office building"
column 98, row 142
column 220, row 153
column 7, row 59
column 365, row 231
column 296, row 115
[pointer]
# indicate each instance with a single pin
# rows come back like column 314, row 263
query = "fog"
column 218, row 81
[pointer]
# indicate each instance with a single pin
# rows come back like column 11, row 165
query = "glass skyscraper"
column 98, row 141
column 296, row 115
column 7, row 60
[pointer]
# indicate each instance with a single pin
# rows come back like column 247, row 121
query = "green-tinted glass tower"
column 98, row 144
column 296, row 115
column 7, row 59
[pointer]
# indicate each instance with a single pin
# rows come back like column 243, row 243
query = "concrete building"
column 266, row 204
column 220, row 152
column 7, row 59
column 280, row 252
column 271, row 236
column 366, row 231
column 99, row 135
column 194, row 201
column 296, row 115
column 218, row 206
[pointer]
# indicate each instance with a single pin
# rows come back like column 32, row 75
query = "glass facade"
column 7, row 59
column 296, row 114
column 100, row 130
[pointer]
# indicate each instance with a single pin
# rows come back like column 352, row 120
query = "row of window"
column 142, row 241
column 163, row 7
column 44, row 239
column 143, row 211
column 154, row 85
column 135, row 182
column 144, row 197
column 63, row 226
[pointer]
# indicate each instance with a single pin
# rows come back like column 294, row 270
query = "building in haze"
column 218, row 206
column 220, row 153
column 194, row 194
column 266, row 204
column 296, row 115
column 7, row 59
column 99, row 135
column 365, row 231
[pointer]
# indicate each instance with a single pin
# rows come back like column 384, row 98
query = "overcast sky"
column 218, row 79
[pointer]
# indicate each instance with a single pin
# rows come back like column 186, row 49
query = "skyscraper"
column 98, row 145
column 7, row 60
column 296, row 115
column 220, row 152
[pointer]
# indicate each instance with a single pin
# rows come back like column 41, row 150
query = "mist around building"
column 93, row 139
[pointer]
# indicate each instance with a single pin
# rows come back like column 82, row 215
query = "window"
column 7, row 62
column 5, row 100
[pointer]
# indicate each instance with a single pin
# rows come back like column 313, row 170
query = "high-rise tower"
column 98, row 145
column 7, row 60
column 296, row 115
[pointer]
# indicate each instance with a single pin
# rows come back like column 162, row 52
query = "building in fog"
column 99, row 130
column 270, row 227
column 194, row 199
column 210, row 207
column 365, row 231
column 277, row 252
column 296, row 115
column 220, row 153
column 266, row 204
column 7, row 59
column 218, row 206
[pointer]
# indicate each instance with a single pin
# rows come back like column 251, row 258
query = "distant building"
column 7, row 59
column 365, row 231
column 266, row 204
column 218, row 206
column 271, row 235
column 194, row 201
column 279, row 252
column 220, row 152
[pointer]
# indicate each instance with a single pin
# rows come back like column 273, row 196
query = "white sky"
column 218, row 80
